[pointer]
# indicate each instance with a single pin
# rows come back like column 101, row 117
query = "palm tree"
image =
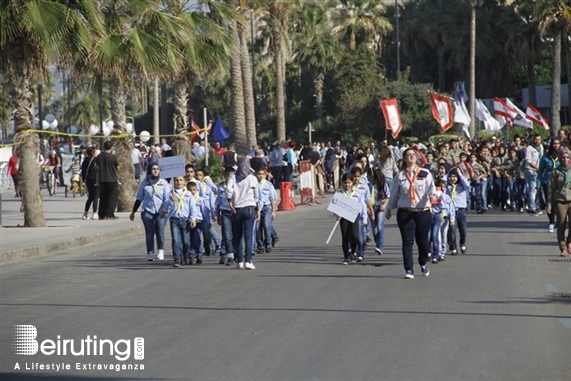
column 361, row 19
column 277, row 15
column 32, row 33
column 315, row 48
column 238, row 112
column 206, row 47
column 249, row 102
column 555, row 19
column 472, row 67
column 140, row 37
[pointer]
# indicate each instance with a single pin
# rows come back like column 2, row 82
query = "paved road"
column 497, row 313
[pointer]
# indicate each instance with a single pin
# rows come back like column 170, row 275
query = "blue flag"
column 219, row 132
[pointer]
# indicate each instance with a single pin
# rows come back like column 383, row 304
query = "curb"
column 49, row 248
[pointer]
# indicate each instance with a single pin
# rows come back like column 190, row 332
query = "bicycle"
column 77, row 185
column 52, row 184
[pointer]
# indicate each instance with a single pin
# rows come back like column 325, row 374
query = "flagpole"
column 205, row 135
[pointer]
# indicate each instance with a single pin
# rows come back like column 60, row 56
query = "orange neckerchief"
column 411, row 181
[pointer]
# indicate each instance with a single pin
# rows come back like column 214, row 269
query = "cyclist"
column 53, row 160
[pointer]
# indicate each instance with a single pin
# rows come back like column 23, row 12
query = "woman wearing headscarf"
column 153, row 195
column 411, row 193
column 548, row 162
column 559, row 201
column 242, row 194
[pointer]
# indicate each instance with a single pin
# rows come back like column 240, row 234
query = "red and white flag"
column 501, row 108
column 535, row 116
column 520, row 118
column 196, row 131
column 442, row 111
column 392, row 116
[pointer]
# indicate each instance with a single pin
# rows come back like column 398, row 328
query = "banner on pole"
column 392, row 116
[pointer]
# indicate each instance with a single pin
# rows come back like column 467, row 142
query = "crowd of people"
column 433, row 188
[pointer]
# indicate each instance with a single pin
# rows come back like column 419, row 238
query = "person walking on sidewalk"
column 108, row 182
column 13, row 166
column 411, row 193
column 532, row 155
column 244, row 204
column 153, row 194
column 89, row 171
column 559, row 201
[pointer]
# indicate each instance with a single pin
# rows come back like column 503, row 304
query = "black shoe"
column 176, row 264
column 268, row 249
column 192, row 261
column 368, row 239
column 186, row 259
column 222, row 261
column 198, row 260
column 259, row 251
column 216, row 249
column 275, row 241
column 230, row 262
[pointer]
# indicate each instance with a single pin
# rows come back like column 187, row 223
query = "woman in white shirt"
column 412, row 193
column 242, row 193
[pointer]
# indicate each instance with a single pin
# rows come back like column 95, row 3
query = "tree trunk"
column 125, row 172
column 27, row 144
column 555, row 122
column 180, row 144
column 531, row 89
column 441, row 69
column 156, row 127
column 567, row 46
column 240, row 136
column 318, row 85
column 248, row 86
column 280, row 96
column 472, row 70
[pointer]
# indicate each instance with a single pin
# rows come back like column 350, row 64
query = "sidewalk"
column 65, row 227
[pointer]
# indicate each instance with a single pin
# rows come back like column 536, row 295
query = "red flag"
column 442, row 111
column 194, row 130
column 535, row 116
column 392, row 116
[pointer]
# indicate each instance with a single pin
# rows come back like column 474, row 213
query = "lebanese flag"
column 196, row 131
column 501, row 108
column 392, row 116
column 442, row 111
column 535, row 116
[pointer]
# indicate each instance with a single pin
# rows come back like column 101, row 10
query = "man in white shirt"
column 137, row 159
column 532, row 155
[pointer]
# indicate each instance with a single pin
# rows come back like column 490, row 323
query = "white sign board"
column 171, row 166
column 346, row 207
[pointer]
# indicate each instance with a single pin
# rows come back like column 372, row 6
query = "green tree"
column 554, row 17
column 139, row 37
column 277, row 15
column 32, row 34
column 361, row 21
column 315, row 48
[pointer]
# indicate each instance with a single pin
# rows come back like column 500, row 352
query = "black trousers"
column 92, row 196
column 349, row 236
column 108, row 196
column 414, row 226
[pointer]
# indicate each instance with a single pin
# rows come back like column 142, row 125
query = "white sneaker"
column 150, row 256
column 161, row 255
column 85, row 216
column 551, row 228
column 249, row 266
column 240, row 265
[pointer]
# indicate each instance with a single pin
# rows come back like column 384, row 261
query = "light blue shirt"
column 183, row 206
column 267, row 193
column 363, row 189
column 153, row 197
column 379, row 200
column 461, row 193
column 445, row 206
column 209, row 202
column 222, row 200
